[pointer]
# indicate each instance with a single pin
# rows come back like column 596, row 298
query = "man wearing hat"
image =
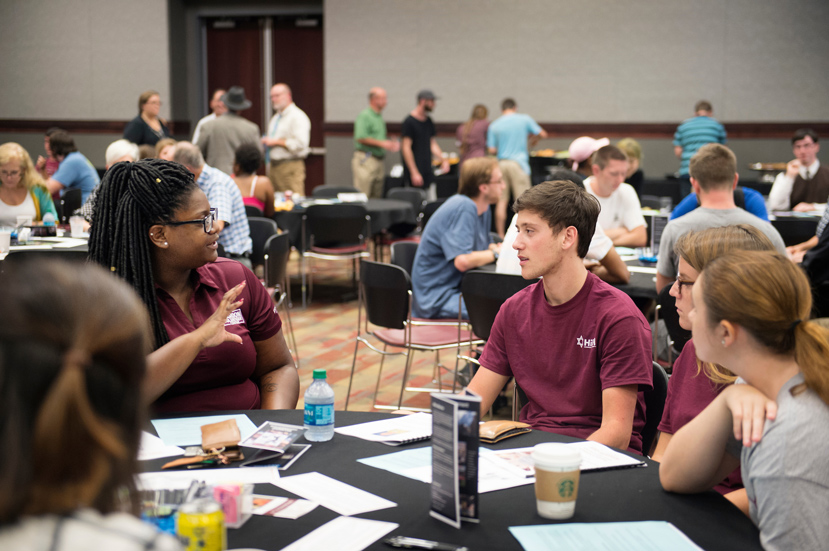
column 219, row 138
column 418, row 144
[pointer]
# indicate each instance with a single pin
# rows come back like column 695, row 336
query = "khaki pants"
column 288, row 175
column 515, row 179
column 368, row 173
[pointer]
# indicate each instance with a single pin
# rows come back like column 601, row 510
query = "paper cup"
column 557, row 469
column 76, row 225
column 5, row 240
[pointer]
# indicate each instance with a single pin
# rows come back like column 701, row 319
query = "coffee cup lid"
column 556, row 454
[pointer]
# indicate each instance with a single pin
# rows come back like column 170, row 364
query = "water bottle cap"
column 319, row 374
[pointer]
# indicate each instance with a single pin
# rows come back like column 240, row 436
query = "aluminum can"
column 201, row 526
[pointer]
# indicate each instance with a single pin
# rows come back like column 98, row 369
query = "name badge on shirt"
column 235, row 318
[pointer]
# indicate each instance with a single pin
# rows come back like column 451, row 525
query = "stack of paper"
column 394, row 431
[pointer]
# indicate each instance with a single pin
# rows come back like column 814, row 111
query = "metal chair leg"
column 409, row 356
column 379, row 374
column 351, row 378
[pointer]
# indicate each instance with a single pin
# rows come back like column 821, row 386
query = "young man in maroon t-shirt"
column 578, row 347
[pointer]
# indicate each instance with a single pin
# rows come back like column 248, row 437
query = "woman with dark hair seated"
column 73, row 344
column 256, row 190
column 217, row 338
column 147, row 128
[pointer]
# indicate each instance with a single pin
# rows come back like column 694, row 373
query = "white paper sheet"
column 152, row 447
column 186, row 431
column 396, row 430
column 173, row 480
column 282, row 507
column 622, row 536
column 343, row 534
column 338, row 496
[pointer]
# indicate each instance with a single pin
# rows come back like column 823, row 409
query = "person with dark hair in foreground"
column 73, row 344
column 578, row 347
column 751, row 316
column 218, row 341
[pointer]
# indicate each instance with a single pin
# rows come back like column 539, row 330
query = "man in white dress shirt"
column 289, row 135
column 804, row 186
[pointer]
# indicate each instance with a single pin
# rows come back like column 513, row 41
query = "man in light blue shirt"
column 507, row 139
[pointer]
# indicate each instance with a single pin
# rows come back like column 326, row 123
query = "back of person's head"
column 479, row 112
column 704, row 106
column 698, row 248
column 131, row 198
column 52, row 129
column 119, row 149
column 475, row 172
column 770, row 297
column 631, row 148
column 144, row 98
column 61, row 143
column 248, row 158
column 188, row 154
column 607, row 153
column 161, row 144
column 508, row 103
column 562, row 204
column 12, row 151
column 73, row 344
column 802, row 133
column 713, row 166
column 146, row 151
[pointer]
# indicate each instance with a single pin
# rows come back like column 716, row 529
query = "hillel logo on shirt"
column 586, row 343
column 235, row 318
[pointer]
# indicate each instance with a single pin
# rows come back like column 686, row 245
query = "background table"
column 611, row 496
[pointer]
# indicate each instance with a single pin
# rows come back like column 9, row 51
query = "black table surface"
column 609, row 496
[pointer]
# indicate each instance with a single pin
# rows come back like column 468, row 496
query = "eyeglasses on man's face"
column 207, row 221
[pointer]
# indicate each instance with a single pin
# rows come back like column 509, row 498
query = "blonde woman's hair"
column 12, row 151
column 770, row 297
column 698, row 248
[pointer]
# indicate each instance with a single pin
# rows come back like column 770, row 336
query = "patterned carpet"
column 325, row 334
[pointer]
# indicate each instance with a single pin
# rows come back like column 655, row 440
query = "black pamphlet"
column 455, row 442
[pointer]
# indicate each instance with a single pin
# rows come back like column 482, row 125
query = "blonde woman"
column 22, row 192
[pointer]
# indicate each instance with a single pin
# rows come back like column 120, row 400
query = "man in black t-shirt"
column 418, row 143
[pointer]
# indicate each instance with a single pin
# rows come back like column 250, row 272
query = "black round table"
column 610, row 496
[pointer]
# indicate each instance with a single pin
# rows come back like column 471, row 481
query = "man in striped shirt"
column 694, row 133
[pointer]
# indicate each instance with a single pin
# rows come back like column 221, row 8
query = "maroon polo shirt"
column 220, row 377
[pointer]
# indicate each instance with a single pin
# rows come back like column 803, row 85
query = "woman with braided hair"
column 751, row 316
column 218, row 341
column 73, row 344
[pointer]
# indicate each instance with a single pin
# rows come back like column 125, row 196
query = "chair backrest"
column 328, row 225
column 70, row 201
column 277, row 253
column 385, row 291
column 403, row 255
column 668, row 313
column 260, row 230
column 253, row 210
column 654, row 406
column 331, row 192
column 484, row 293
column 413, row 195
column 446, row 185
column 428, row 210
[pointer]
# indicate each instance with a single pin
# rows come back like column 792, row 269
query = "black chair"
column 650, row 201
column 253, row 211
column 400, row 231
column 261, row 229
column 403, row 255
column 70, row 201
column 277, row 252
column 331, row 192
column 446, row 185
column 332, row 232
column 795, row 230
column 677, row 336
column 413, row 195
column 654, row 406
column 428, row 210
column 385, row 302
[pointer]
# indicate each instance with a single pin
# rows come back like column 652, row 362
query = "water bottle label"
column 317, row 415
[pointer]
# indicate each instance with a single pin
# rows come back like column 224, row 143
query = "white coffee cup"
column 557, row 469
column 76, row 225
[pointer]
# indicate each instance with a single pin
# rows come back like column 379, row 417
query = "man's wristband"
column 496, row 255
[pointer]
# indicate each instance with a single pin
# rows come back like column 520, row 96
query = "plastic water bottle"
column 319, row 409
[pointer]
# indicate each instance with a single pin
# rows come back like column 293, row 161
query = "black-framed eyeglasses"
column 680, row 284
column 207, row 221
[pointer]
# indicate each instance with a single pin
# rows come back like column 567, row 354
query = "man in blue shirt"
column 694, row 133
column 456, row 240
column 507, row 138
column 75, row 170
column 744, row 197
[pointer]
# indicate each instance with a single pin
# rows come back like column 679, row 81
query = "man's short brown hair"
column 475, row 172
column 563, row 203
column 604, row 155
column 713, row 166
column 703, row 105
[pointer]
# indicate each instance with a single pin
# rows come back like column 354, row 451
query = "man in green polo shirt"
column 371, row 144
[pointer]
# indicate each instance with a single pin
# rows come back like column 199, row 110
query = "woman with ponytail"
column 217, row 340
column 750, row 315
column 72, row 347
column 471, row 135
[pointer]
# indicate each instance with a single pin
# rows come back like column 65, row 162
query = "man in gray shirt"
column 713, row 177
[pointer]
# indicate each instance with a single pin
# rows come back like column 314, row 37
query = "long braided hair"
column 132, row 197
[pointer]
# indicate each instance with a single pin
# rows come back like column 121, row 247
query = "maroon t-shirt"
column 564, row 356
column 220, row 377
column 690, row 392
